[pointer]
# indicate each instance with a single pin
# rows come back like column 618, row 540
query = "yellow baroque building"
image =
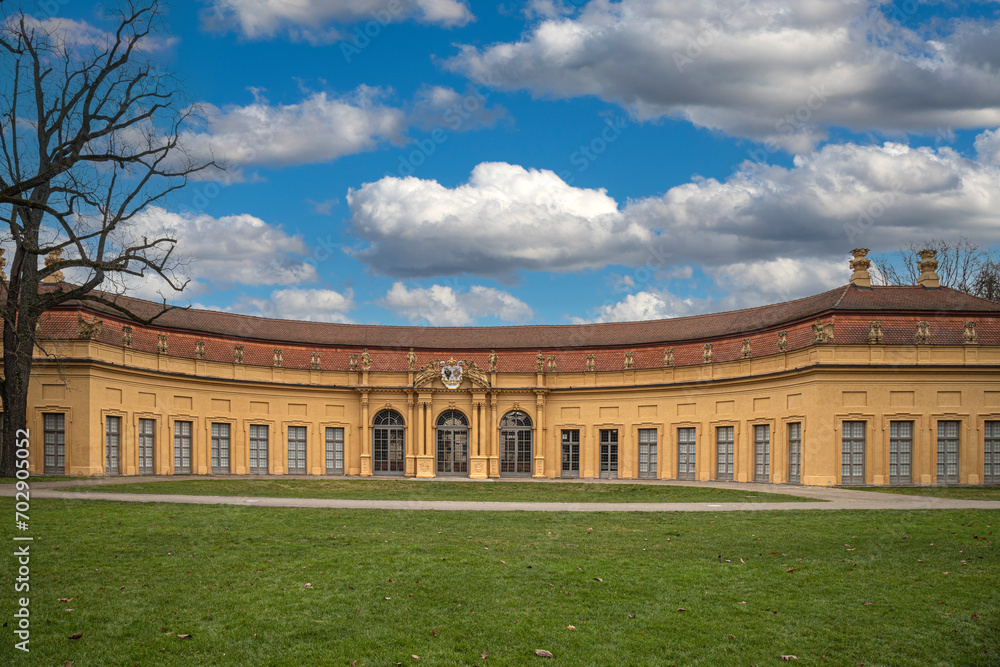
column 858, row 385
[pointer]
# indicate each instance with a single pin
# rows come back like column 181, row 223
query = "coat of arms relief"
column 451, row 373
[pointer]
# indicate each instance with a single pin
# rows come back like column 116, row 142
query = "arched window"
column 452, row 443
column 452, row 418
column 388, row 443
column 516, row 419
column 515, row 444
column 388, row 418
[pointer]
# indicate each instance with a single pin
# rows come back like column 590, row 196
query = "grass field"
column 41, row 478
column 398, row 489
column 835, row 588
column 960, row 492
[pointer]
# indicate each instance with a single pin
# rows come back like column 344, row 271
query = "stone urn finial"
column 860, row 265
column 928, row 269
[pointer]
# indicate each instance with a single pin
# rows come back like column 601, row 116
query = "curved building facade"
column 859, row 385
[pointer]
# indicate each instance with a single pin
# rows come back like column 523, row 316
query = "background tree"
column 89, row 131
column 963, row 265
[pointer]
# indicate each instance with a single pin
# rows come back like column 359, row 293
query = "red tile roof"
column 909, row 300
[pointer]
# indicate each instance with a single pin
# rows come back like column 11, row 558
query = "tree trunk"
column 20, row 312
column 15, row 411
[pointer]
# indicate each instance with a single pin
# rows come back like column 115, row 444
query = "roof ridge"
column 847, row 288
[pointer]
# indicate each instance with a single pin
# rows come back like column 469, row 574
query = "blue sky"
column 449, row 163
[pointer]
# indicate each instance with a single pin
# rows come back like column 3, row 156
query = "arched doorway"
column 452, row 443
column 515, row 444
column 388, row 443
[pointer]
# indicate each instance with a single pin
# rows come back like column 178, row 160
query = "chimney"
column 928, row 269
column 860, row 264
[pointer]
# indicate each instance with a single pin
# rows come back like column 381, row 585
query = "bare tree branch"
column 89, row 139
column 962, row 264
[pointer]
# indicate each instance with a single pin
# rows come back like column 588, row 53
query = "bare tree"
column 89, row 137
column 963, row 265
column 987, row 283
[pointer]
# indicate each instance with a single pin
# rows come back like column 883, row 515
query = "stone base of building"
column 478, row 467
column 425, row 466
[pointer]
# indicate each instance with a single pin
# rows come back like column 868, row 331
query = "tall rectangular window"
column 296, row 450
column 724, row 437
column 112, row 445
column 647, row 453
column 795, row 453
column 258, row 449
column 334, row 450
column 685, row 453
column 762, row 453
column 147, row 446
column 947, row 452
column 54, row 432
column 852, row 457
column 220, row 448
column 609, row 453
column 182, row 448
column 570, row 452
column 991, row 452
column 900, row 452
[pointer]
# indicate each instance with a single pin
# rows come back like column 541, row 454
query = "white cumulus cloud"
column 741, row 285
column 828, row 202
column 779, row 71
column 73, row 35
column 310, row 305
column 318, row 129
column 506, row 218
column 218, row 253
column 320, row 21
column 442, row 305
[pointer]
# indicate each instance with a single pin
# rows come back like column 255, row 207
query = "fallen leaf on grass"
column 682, row 609
column 415, row 656
column 742, row 602
column 65, row 599
column 308, row 586
column 543, row 653
column 571, row 627
column 598, row 579
column 76, row 635
column 731, row 636
column 867, row 603
column 184, row 636
column 789, row 657
column 483, row 656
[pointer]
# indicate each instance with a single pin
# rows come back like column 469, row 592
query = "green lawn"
column 959, row 492
column 398, row 489
column 834, row 588
column 41, row 478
